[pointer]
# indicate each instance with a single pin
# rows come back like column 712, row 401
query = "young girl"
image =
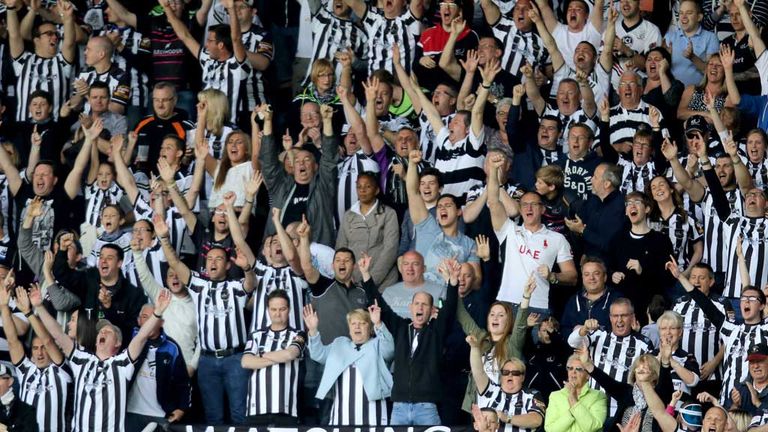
column 110, row 231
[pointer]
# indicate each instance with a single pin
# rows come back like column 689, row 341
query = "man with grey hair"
column 601, row 219
column 631, row 112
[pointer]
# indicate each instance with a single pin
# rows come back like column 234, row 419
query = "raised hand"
column 458, row 25
column 161, row 228
column 35, row 207
column 527, row 71
column 35, row 295
column 654, row 116
column 229, row 199
column 345, row 58
column 632, row 425
column 414, row 156
column 22, row 300
column 48, row 262
column 5, row 296
column 731, row 148
column 669, row 149
column 95, row 130
column 530, row 286
column 241, row 259
column 264, row 112
column 326, row 113
column 310, row 319
column 162, row 301
column 617, row 277
column 428, row 62
column 375, row 311
column 483, row 247
column 471, row 62
column 370, row 86
column 492, row 67
column 688, row 51
column 605, row 109
column 533, row 319
column 534, row 15
column 672, row 268
column 364, row 264
column 304, row 230
column 167, row 172
column 727, row 56
column 472, row 341
column 253, row 184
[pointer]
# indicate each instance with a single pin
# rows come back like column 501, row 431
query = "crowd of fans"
column 510, row 214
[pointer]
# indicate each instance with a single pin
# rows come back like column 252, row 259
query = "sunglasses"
column 575, row 368
column 514, row 373
column 692, row 135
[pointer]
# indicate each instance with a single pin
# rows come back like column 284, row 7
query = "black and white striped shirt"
column 427, row 136
column 119, row 238
column 156, row 261
column 349, row 169
column 37, row 73
column 519, row 47
column 625, row 122
column 135, row 44
column 683, row 232
column 118, row 80
column 331, row 34
column 753, row 232
column 578, row 116
column 383, row 33
column 613, row 355
column 101, row 390
column 97, row 198
column 758, row 172
column 258, row 41
column 273, row 389
column 461, row 163
column 220, row 312
column 523, row 402
column 700, row 335
column 634, row 178
column 717, row 233
column 351, row 406
column 270, row 279
column 738, row 339
column 47, row 390
column 177, row 226
column 227, row 76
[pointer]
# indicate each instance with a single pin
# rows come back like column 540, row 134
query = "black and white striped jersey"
column 135, row 45
column 273, row 389
column 38, row 73
column 228, row 76
column 753, row 232
column 716, row 232
column 738, row 339
column 331, row 34
column 48, row 391
column 258, row 41
column 700, row 335
column 523, row 402
column 683, row 231
column 625, row 122
column 270, row 279
column 101, row 390
column 427, row 136
column 220, row 312
column 519, row 47
column 118, row 80
column 461, row 163
column 578, row 116
column 349, row 169
column 383, row 33
column 97, row 198
column 351, row 406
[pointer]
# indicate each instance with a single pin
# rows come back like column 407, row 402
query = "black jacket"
column 20, row 417
column 174, row 390
column 417, row 377
column 127, row 300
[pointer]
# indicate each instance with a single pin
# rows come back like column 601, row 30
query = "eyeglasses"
column 750, row 299
column 627, row 315
column 514, row 373
column 50, row 33
column 575, row 368
column 628, row 84
column 163, row 100
column 140, row 230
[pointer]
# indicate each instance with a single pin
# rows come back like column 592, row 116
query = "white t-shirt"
column 640, row 38
column 524, row 253
column 142, row 399
column 568, row 40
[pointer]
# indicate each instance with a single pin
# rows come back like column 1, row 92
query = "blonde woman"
column 212, row 121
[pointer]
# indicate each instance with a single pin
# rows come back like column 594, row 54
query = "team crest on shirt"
column 630, row 352
column 628, row 40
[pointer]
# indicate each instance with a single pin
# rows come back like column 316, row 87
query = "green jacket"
column 514, row 346
column 588, row 415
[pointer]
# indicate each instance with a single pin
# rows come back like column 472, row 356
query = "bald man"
column 399, row 295
column 98, row 58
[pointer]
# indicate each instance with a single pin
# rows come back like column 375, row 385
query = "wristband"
column 485, row 86
column 157, row 316
column 30, row 313
column 527, row 298
column 736, row 160
column 249, row 202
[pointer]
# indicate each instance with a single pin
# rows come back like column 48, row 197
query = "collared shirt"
column 704, row 43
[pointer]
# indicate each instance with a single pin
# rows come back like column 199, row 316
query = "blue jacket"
column 757, row 107
column 605, row 221
column 577, row 310
column 174, row 390
column 372, row 360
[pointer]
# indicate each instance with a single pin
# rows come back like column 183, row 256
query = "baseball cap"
column 758, row 352
column 5, row 370
column 696, row 123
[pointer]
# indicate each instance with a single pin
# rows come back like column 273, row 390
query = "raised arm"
column 532, row 90
column 290, row 252
column 609, row 39
column 447, row 61
column 755, row 39
column 181, row 29
column 416, row 206
column 546, row 36
column 709, row 309
column 15, row 347
column 373, row 136
column 666, row 422
column 69, row 45
column 155, row 320
column 15, row 41
column 238, row 48
column 476, row 364
column 24, row 305
column 491, row 12
column 694, row 188
column 74, row 178
column 358, row 7
column 743, row 178
column 727, row 56
column 311, row 274
column 550, row 20
column 470, row 68
column 116, row 8
column 427, row 107
column 498, row 214
column 161, row 229
column 53, row 327
column 488, row 73
column 201, row 16
column 124, row 177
